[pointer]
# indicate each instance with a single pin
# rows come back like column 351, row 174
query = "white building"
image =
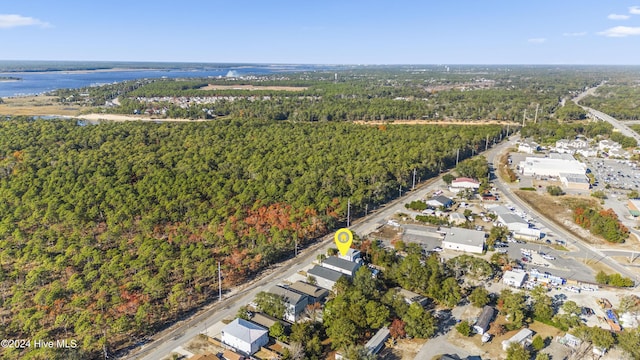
column 573, row 181
column 512, row 222
column 463, row 183
column 457, row 218
column 466, row 240
column 608, row 145
column 351, row 255
column 535, row 166
column 528, row 146
column 522, row 337
column 244, row 336
column 514, row 278
column 529, row 234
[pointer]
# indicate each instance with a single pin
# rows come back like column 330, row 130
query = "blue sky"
column 324, row 32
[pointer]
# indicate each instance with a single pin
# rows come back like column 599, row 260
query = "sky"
column 324, row 32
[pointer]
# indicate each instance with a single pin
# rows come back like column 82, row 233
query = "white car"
column 586, row 288
column 573, row 289
column 437, row 249
column 548, row 257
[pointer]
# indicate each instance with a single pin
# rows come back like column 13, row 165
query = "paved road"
column 624, row 129
column 582, row 249
column 182, row 332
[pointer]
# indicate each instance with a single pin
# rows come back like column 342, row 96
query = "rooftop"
column 341, row 263
column 244, row 330
column 509, row 218
column 462, row 236
column 308, row 289
column 379, row 338
column 289, row 296
column 321, row 272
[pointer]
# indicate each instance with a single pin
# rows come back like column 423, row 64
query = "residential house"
column 341, row 265
column 484, row 321
column 351, row 255
column 523, row 337
column 410, row 297
column 375, row 344
column 294, row 302
column 325, row 277
column 457, row 218
column 314, row 293
column 267, row 321
column 244, row 336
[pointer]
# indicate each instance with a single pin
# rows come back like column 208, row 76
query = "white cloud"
column 13, row 20
column 635, row 10
column 621, row 31
column 537, row 40
column 618, row 17
column 582, row 33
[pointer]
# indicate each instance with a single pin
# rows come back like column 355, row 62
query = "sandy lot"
column 117, row 117
column 432, row 122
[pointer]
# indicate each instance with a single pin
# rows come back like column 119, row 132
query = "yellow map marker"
column 343, row 239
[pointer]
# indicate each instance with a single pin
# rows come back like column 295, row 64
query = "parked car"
column 437, row 249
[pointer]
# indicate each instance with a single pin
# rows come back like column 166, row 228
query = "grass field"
column 37, row 105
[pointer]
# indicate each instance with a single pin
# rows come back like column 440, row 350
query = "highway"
column 583, row 249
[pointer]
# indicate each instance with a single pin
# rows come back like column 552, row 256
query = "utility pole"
column 457, row 155
column 508, row 130
column 400, row 192
column 414, row 180
column 535, row 121
column 524, row 117
column 219, row 283
column 366, row 209
column 295, row 238
column 349, row 212
column 486, row 143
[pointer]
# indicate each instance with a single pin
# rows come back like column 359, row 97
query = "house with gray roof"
column 325, row 277
column 293, row 301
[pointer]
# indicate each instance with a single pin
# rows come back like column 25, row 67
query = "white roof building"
column 609, row 145
column 514, row 278
column 457, row 218
column 535, row 166
column 464, row 183
column 522, row 337
column 244, row 336
column 466, row 240
column 528, row 146
column 512, row 221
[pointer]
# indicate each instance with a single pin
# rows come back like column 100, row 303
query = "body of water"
column 32, row 83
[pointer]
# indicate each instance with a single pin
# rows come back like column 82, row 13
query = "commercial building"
column 528, row 146
column 514, row 278
column 439, row 201
column 512, row 222
column 244, row 336
column 548, row 167
column 573, row 181
column 466, row 240
column 463, row 183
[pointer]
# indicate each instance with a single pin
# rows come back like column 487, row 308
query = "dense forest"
column 380, row 93
column 617, row 100
column 109, row 231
